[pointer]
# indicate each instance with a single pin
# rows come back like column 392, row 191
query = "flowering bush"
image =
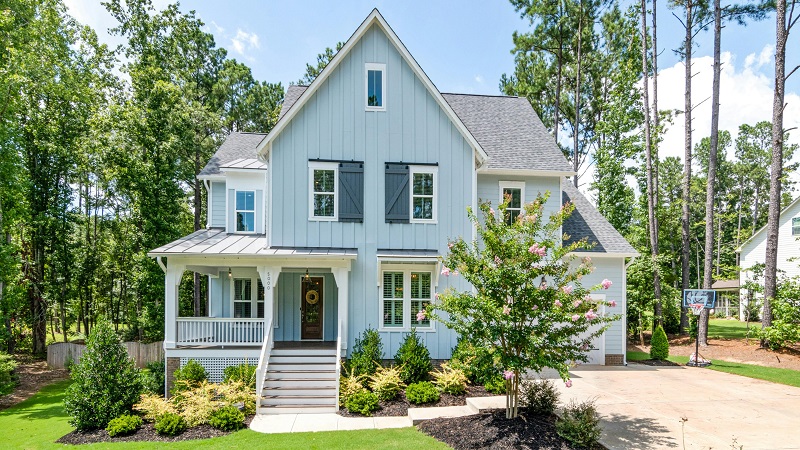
column 528, row 306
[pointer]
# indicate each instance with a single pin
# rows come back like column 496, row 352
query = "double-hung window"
column 375, row 86
column 512, row 192
column 423, row 193
column 323, row 189
column 242, row 297
column 796, row 226
column 246, row 211
column 404, row 293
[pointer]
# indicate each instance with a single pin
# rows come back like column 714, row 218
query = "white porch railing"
column 219, row 331
column 263, row 363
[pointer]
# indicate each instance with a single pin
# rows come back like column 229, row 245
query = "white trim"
column 406, row 269
column 382, row 69
column 513, row 185
column 318, row 165
column 245, row 273
column 624, row 316
column 268, row 202
column 209, row 206
column 784, row 210
column 236, row 210
column 603, row 255
column 211, row 177
column 241, row 170
column 376, row 18
column 527, row 172
column 434, row 171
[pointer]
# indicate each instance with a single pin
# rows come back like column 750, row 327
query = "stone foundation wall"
column 615, row 360
column 171, row 365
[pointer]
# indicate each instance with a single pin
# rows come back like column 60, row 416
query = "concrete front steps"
column 300, row 381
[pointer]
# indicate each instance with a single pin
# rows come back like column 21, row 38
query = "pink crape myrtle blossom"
column 543, row 286
column 567, row 289
column 568, row 383
column 536, row 250
column 575, row 317
column 606, row 283
column 531, row 218
column 436, row 296
column 557, row 303
column 455, row 273
column 506, row 309
column 576, row 303
column 590, row 315
column 450, row 245
column 535, row 307
column 507, row 374
column 445, row 271
column 421, row 315
column 491, row 211
column 497, row 260
column 612, row 303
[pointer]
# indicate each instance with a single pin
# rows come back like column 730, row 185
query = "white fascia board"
column 527, row 172
column 374, row 17
column 603, row 255
column 211, row 177
column 241, row 170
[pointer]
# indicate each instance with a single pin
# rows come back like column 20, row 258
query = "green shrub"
column 413, row 358
column 197, row 405
column 349, row 385
column 227, row 418
column 153, row 406
column 7, row 376
column 123, row 425
column 170, row 424
column 189, row 377
column 153, row 378
column 785, row 328
column 476, row 362
column 659, row 345
column 363, row 403
column 579, row 423
column 234, row 392
column 422, row 392
column 244, row 373
column 367, row 352
column 450, row 380
column 386, row 383
column 496, row 385
column 105, row 384
column 540, row 396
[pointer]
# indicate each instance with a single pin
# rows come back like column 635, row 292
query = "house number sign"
column 268, row 281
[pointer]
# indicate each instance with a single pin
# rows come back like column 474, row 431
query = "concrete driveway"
column 642, row 408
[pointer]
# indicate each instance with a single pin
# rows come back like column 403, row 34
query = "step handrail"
column 263, row 361
column 338, row 361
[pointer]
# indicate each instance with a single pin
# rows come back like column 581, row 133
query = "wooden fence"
column 58, row 354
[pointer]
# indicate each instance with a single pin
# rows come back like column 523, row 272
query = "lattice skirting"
column 216, row 366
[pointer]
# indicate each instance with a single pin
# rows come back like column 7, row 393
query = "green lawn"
column 776, row 375
column 37, row 422
column 729, row 329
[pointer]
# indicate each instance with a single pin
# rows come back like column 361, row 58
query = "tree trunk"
column 687, row 159
column 708, row 259
column 575, row 158
column 651, row 199
column 782, row 29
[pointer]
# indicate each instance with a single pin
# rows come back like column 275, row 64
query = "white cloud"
column 218, row 28
column 745, row 98
column 478, row 79
column 244, row 41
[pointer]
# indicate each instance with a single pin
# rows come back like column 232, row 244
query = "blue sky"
column 464, row 46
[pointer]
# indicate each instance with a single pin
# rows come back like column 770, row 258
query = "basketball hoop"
column 695, row 360
column 697, row 308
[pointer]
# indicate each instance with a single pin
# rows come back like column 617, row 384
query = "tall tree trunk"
column 651, row 199
column 575, row 156
column 708, row 259
column 559, row 70
column 782, row 29
column 687, row 157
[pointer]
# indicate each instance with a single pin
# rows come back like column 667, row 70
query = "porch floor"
column 305, row 345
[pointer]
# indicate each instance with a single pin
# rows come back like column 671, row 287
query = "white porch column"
column 269, row 279
column 342, row 277
column 171, row 281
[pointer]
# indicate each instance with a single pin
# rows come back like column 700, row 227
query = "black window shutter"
column 397, row 185
column 351, row 192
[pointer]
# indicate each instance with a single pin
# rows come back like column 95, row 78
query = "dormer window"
column 245, row 211
column 796, row 226
column 375, row 84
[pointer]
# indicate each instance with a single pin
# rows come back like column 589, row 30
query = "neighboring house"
column 754, row 250
column 335, row 221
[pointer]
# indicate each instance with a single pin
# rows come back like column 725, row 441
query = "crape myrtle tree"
column 528, row 306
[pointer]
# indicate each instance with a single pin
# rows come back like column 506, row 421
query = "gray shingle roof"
column 236, row 146
column 507, row 128
column 509, row 131
column 587, row 222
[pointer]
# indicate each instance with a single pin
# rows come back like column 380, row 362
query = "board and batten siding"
column 288, row 296
column 334, row 125
column 489, row 189
column 612, row 268
column 218, row 204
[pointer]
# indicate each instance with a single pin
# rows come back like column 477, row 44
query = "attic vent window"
column 796, row 226
column 375, row 83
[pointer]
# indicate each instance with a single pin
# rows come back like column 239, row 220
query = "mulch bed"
column 492, row 430
column 656, row 362
column 400, row 405
column 145, row 433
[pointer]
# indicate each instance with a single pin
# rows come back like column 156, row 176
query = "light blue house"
column 335, row 220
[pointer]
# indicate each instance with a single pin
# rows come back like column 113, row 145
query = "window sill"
column 424, row 221
column 323, row 219
column 375, row 108
column 406, row 330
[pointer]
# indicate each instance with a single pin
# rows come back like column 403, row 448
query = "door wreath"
column 312, row 297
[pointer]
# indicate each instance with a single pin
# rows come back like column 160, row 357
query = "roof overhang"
column 374, row 18
column 604, row 255
column 526, row 172
column 213, row 177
